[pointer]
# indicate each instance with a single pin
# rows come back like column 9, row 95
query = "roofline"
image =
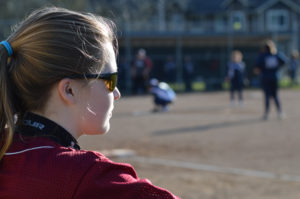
column 268, row 4
column 226, row 2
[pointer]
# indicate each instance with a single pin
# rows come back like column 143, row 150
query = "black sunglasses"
column 110, row 79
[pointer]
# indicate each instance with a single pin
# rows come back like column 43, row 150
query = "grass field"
column 205, row 149
column 284, row 83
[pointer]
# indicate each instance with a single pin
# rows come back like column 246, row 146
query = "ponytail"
column 7, row 126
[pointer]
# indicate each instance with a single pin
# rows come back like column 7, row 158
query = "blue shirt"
column 293, row 65
column 236, row 71
column 163, row 91
column 269, row 65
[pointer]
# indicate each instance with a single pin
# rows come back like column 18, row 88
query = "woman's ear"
column 66, row 90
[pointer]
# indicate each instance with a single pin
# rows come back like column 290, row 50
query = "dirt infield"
column 204, row 149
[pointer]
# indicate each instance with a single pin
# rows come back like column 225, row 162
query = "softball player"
column 58, row 77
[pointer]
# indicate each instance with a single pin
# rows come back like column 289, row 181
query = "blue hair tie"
column 8, row 47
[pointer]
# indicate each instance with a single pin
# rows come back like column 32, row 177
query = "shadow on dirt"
column 203, row 128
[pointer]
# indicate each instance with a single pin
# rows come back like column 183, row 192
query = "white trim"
column 30, row 149
column 270, row 3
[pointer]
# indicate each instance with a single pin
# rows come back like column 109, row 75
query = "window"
column 177, row 22
column 277, row 20
column 197, row 24
column 220, row 24
column 238, row 21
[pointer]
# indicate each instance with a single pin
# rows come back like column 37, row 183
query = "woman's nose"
column 117, row 94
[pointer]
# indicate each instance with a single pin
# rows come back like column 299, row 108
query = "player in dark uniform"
column 293, row 66
column 140, row 72
column 236, row 70
column 267, row 65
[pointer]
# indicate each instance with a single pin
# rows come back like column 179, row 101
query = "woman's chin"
column 105, row 129
column 101, row 131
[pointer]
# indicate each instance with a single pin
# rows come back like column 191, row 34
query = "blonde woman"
column 267, row 65
column 58, row 78
column 236, row 75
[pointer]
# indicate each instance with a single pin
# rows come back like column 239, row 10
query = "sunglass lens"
column 111, row 82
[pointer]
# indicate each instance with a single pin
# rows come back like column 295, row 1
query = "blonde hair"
column 236, row 56
column 270, row 47
column 49, row 45
column 295, row 54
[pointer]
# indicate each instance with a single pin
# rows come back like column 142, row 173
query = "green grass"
column 200, row 85
column 180, row 87
column 285, row 82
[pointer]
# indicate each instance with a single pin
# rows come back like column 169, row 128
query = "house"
column 255, row 19
column 209, row 30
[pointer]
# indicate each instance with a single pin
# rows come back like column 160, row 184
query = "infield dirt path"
column 205, row 149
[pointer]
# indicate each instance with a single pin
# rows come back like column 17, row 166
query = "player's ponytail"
column 6, row 103
column 270, row 47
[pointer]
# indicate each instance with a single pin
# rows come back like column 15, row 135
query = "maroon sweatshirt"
column 40, row 166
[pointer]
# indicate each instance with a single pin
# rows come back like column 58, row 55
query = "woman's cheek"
column 97, row 111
